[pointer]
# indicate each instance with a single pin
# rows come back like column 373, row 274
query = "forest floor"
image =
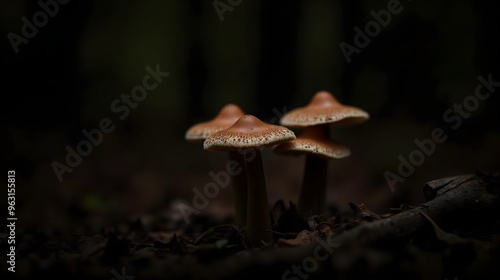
column 453, row 235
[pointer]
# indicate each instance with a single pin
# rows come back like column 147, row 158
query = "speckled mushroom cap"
column 324, row 109
column 313, row 141
column 226, row 117
column 248, row 132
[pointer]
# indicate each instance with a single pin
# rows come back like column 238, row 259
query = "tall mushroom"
column 197, row 133
column 318, row 148
column 323, row 111
column 250, row 135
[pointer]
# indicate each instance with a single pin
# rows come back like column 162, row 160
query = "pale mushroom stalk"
column 239, row 183
column 249, row 134
column 258, row 218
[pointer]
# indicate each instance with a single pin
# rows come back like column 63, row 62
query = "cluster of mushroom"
column 243, row 136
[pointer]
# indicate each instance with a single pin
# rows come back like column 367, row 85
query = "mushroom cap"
column 248, row 132
column 226, row 117
column 324, row 108
column 314, row 141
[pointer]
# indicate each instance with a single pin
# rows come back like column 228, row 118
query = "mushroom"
column 197, row 133
column 322, row 112
column 318, row 148
column 324, row 109
column 226, row 117
column 250, row 135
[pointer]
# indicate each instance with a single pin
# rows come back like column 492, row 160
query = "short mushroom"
column 323, row 111
column 318, row 148
column 197, row 133
column 250, row 135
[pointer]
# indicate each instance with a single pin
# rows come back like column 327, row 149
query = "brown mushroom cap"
column 248, row 132
column 324, row 109
column 313, row 141
column 226, row 117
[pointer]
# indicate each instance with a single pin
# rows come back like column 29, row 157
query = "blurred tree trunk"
column 277, row 65
column 487, row 59
column 196, row 66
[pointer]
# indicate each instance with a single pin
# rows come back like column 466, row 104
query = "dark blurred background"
column 265, row 56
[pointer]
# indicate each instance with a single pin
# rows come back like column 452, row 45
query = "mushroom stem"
column 312, row 199
column 312, row 195
column 258, row 217
column 239, row 182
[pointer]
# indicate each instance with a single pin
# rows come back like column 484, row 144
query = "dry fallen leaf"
column 304, row 237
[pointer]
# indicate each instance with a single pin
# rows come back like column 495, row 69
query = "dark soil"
column 454, row 235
